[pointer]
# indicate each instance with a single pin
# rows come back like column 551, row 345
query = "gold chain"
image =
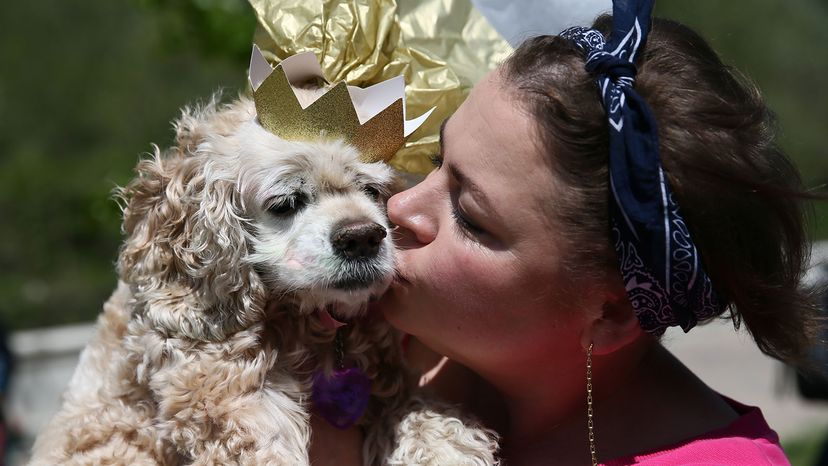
column 590, row 423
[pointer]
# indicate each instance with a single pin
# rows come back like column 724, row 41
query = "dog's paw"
column 429, row 436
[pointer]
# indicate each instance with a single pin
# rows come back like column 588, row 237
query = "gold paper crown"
column 370, row 119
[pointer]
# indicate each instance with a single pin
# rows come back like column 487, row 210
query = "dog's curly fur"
column 204, row 353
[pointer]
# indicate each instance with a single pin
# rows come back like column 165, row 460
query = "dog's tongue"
column 328, row 321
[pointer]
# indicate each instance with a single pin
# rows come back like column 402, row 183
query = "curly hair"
column 186, row 233
column 741, row 195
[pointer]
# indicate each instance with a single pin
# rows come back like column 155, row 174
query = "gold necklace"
column 592, row 450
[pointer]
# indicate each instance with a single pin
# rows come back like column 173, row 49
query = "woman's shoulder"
column 746, row 441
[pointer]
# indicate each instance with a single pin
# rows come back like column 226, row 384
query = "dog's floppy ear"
column 186, row 241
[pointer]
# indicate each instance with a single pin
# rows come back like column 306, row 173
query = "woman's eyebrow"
column 469, row 184
column 474, row 188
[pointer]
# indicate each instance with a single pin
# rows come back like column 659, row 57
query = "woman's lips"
column 399, row 280
column 400, row 276
column 398, row 285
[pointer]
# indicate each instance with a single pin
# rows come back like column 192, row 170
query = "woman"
column 509, row 269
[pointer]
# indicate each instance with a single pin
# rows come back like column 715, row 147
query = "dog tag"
column 342, row 397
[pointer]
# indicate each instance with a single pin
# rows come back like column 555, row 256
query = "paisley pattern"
column 661, row 267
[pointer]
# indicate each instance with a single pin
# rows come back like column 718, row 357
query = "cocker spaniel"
column 242, row 252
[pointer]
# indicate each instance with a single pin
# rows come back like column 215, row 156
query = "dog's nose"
column 358, row 240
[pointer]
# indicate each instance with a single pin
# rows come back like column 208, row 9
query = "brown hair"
column 740, row 195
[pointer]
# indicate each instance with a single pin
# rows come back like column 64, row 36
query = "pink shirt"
column 747, row 441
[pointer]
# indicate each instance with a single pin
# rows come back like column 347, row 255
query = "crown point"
column 260, row 69
column 412, row 125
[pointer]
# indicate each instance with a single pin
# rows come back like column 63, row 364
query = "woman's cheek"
column 467, row 277
column 453, row 282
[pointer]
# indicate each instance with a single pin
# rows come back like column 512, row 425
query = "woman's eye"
column 464, row 224
column 287, row 206
column 437, row 160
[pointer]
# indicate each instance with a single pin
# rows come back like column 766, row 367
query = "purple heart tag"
column 342, row 398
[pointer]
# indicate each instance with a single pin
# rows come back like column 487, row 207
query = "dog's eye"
column 287, row 205
column 372, row 191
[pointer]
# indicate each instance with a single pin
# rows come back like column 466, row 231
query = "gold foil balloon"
column 441, row 47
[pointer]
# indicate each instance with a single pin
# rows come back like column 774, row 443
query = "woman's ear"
column 614, row 325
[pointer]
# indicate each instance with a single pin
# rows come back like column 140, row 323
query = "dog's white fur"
column 205, row 351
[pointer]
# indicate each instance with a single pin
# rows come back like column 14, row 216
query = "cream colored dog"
column 237, row 245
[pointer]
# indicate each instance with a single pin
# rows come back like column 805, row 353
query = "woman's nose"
column 414, row 210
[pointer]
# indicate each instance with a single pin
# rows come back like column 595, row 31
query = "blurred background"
column 86, row 86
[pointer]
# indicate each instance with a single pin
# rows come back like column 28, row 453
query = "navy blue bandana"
column 660, row 265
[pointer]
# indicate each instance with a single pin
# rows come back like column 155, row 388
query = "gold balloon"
column 442, row 47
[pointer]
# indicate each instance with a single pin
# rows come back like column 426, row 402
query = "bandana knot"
column 620, row 71
column 662, row 269
column 617, row 67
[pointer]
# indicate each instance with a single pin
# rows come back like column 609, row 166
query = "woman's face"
column 480, row 275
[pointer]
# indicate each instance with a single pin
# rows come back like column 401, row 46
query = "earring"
column 590, row 423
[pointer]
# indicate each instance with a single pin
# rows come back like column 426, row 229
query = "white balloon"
column 517, row 20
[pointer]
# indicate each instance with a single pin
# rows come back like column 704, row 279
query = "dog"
column 242, row 254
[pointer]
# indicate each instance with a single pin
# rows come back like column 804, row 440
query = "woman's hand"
column 452, row 382
column 334, row 447
column 439, row 375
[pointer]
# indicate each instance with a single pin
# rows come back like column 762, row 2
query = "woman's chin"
column 390, row 305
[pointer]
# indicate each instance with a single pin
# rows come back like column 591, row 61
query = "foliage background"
column 86, row 85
